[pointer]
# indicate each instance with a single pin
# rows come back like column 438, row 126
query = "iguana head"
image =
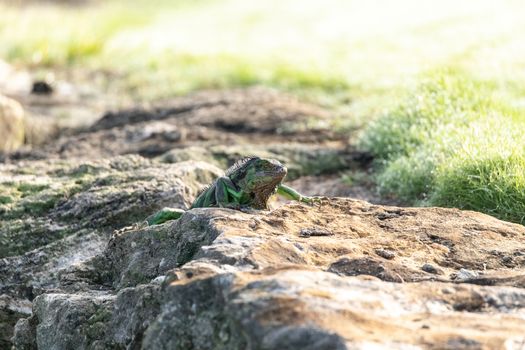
column 257, row 177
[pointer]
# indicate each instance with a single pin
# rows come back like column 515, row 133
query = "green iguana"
column 248, row 184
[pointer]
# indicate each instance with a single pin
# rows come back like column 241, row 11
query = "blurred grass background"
column 434, row 90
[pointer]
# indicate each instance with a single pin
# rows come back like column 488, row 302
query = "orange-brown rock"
column 342, row 275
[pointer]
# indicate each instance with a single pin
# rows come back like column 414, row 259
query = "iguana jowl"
column 249, row 183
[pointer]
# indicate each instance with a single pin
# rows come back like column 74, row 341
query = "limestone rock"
column 11, row 124
column 300, row 308
column 222, row 279
column 11, row 310
column 243, row 110
column 106, row 195
column 56, row 215
column 142, row 255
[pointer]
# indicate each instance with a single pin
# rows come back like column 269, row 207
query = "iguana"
column 248, row 184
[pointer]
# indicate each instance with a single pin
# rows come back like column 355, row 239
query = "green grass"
column 454, row 141
column 31, row 35
column 342, row 53
column 224, row 71
column 492, row 184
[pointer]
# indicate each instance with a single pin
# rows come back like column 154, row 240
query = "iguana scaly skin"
column 247, row 184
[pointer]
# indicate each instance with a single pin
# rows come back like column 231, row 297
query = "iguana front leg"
column 226, row 193
column 290, row 193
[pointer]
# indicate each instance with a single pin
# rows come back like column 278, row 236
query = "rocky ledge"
column 344, row 274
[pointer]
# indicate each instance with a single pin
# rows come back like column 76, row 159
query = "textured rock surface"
column 45, row 201
column 60, row 201
column 11, row 124
column 56, row 214
column 342, row 275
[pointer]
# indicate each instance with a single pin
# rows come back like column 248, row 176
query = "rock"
column 385, row 253
column 108, row 194
column 464, row 274
column 314, row 231
column 75, row 315
column 11, row 124
column 41, row 87
column 242, row 110
column 296, row 308
column 219, row 278
column 57, row 215
column 11, row 310
column 431, row 269
column 142, row 255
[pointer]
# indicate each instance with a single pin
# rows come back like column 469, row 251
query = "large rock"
column 342, row 275
column 11, row 124
column 56, row 214
column 41, row 202
column 241, row 111
column 300, row 308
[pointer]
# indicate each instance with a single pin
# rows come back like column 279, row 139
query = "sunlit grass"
column 291, row 44
column 455, row 141
column 47, row 35
column 493, row 182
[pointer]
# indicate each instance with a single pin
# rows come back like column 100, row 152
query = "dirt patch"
column 252, row 116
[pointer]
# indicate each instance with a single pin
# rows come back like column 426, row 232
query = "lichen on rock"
column 61, row 214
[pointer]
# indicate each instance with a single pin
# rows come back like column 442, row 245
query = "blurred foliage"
column 449, row 137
